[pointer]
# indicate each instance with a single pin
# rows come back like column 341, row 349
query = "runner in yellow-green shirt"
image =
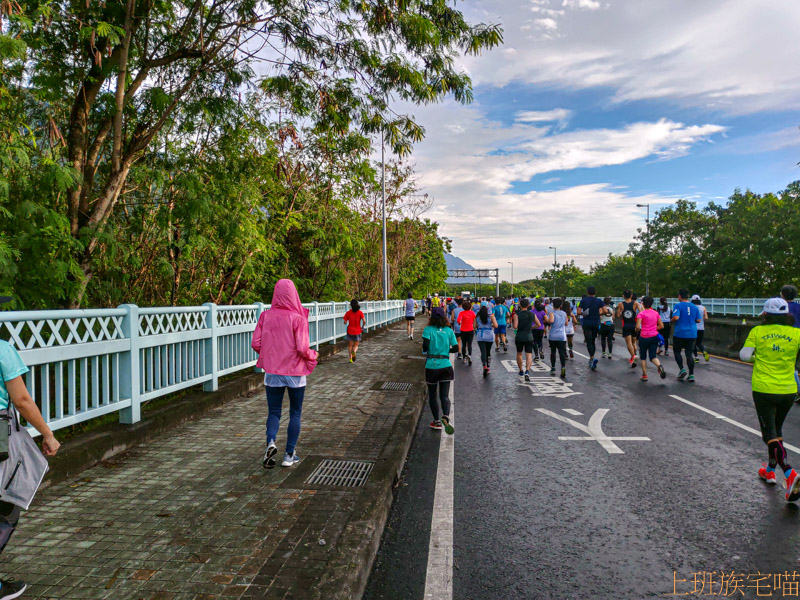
column 773, row 347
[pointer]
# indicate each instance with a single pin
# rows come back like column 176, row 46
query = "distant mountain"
column 453, row 262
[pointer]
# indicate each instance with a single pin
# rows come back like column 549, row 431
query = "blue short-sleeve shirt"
column 686, row 325
column 11, row 367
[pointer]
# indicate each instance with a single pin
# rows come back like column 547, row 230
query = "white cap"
column 776, row 306
column 437, row 295
column 695, row 297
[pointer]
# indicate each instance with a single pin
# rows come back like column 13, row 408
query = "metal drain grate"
column 395, row 386
column 415, row 357
column 345, row 473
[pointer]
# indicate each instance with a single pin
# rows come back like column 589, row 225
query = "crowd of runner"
column 649, row 328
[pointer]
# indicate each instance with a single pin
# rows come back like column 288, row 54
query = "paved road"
column 539, row 517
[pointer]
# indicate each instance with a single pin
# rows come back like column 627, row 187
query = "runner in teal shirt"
column 438, row 342
column 500, row 313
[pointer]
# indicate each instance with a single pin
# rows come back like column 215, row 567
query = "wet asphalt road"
column 539, row 517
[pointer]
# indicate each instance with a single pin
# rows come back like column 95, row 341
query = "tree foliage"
column 178, row 151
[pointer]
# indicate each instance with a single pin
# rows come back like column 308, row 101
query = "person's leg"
column 274, row 405
column 470, row 335
column 665, row 332
column 783, row 404
column 296, row 396
column 562, row 353
column 569, row 341
column 689, row 350
column 528, row 357
column 355, row 348
column 589, row 336
column 631, row 347
column 9, row 517
column 553, row 352
column 677, row 346
column 444, row 395
column 519, row 358
column 349, row 349
column 433, row 400
column 643, row 348
column 485, row 348
column 497, row 341
column 458, row 341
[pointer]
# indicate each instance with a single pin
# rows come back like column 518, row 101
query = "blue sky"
column 591, row 107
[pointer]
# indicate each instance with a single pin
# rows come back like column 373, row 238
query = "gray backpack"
column 22, row 472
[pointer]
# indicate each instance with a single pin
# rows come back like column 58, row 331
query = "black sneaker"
column 553, row 371
column 11, row 589
column 563, row 372
column 527, row 376
column 268, row 462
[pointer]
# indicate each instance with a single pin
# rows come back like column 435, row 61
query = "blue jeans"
column 275, row 404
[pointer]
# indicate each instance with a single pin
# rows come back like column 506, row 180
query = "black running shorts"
column 526, row 347
column 628, row 330
column 434, row 376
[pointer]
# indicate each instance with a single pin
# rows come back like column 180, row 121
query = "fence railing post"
column 334, row 321
column 212, row 349
column 129, row 370
column 316, row 326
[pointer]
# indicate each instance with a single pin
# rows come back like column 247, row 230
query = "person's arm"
column 494, row 322
column 747, row 354
column 659, row 323
column 363, row 320
column 537, row 321
column 619, row 310
column 515, row 321
column 30, row 412
column 580, row 309
column 255, row 343
column 301, row 340
column 549, row 318
column 426, row 345
column 638, row 323
column 675, row 315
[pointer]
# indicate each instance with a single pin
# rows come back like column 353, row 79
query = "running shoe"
column 792, row 486
column 682, row 374
column 594, row 364
column 269, row 458
column 436, row 425
column 643, row 378
column 448, row 425
column 458, row 356
column 707, row 356
column 767, row 476
column 351, row 358
column 609, row 356
column 412, row 336
column 662, row 372
column 553, row 371
column 659, row 351
column 631, row 361
column 469, row 360
column 497, row 349
column 696, row 359
column 505, row 347
column 666, row 354
column 485, row 371
column 527, row 376
column 11, row 589
column 521, row 373
column 354, row 357
column 464, row 360
column 690, row 379
column 604, row 355
column 571, row 353
column 290, row 460
column 563, row 372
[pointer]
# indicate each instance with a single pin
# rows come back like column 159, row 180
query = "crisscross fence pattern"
column 88, row 363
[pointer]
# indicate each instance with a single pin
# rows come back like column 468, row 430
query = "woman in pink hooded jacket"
column 281, row 340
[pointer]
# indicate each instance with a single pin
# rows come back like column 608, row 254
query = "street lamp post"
column 647, row 254
column 512, row 278
column 383, row 219
column 555, row 263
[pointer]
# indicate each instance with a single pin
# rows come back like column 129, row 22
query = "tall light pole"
column 647, row 255
column 555, row 262
column 512, row 278
column 383, row 218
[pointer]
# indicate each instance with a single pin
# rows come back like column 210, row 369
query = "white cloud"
column 728, row 55
column 470, row 164
column 560, row 115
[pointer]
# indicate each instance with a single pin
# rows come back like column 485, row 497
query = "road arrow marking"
column 593, row 430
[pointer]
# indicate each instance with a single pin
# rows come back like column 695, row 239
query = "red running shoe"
column 792, row 486
column 436, row 425
column 767, row 476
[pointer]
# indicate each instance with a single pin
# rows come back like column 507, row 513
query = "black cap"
column 5, row 299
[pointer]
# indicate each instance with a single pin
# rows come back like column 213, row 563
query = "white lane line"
column 579, row 354
column 439, row 577
column 573, row 412
column 729, row 420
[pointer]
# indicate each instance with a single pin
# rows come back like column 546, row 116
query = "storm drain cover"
column 415, row 357
column 345, row 473
column 395, row 386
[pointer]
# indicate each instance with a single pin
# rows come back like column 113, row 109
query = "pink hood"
column 281, row 336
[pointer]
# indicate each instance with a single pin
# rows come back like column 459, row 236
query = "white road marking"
column 573, row 412
column 594, row 431
column 536, row 367
column 579, row 354
column 439, row 576
column 729, row 420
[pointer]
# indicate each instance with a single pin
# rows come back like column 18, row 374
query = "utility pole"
column 647, row 252
column 383, row 218
column 555, row 263
column 512, row 278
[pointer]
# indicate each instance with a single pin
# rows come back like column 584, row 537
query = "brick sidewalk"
column 194, row 514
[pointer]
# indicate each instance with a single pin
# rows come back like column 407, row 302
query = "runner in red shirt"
column 466, row 320
column 355, row 321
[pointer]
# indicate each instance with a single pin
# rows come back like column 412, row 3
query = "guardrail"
column 88, row 363
column 737, row 307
